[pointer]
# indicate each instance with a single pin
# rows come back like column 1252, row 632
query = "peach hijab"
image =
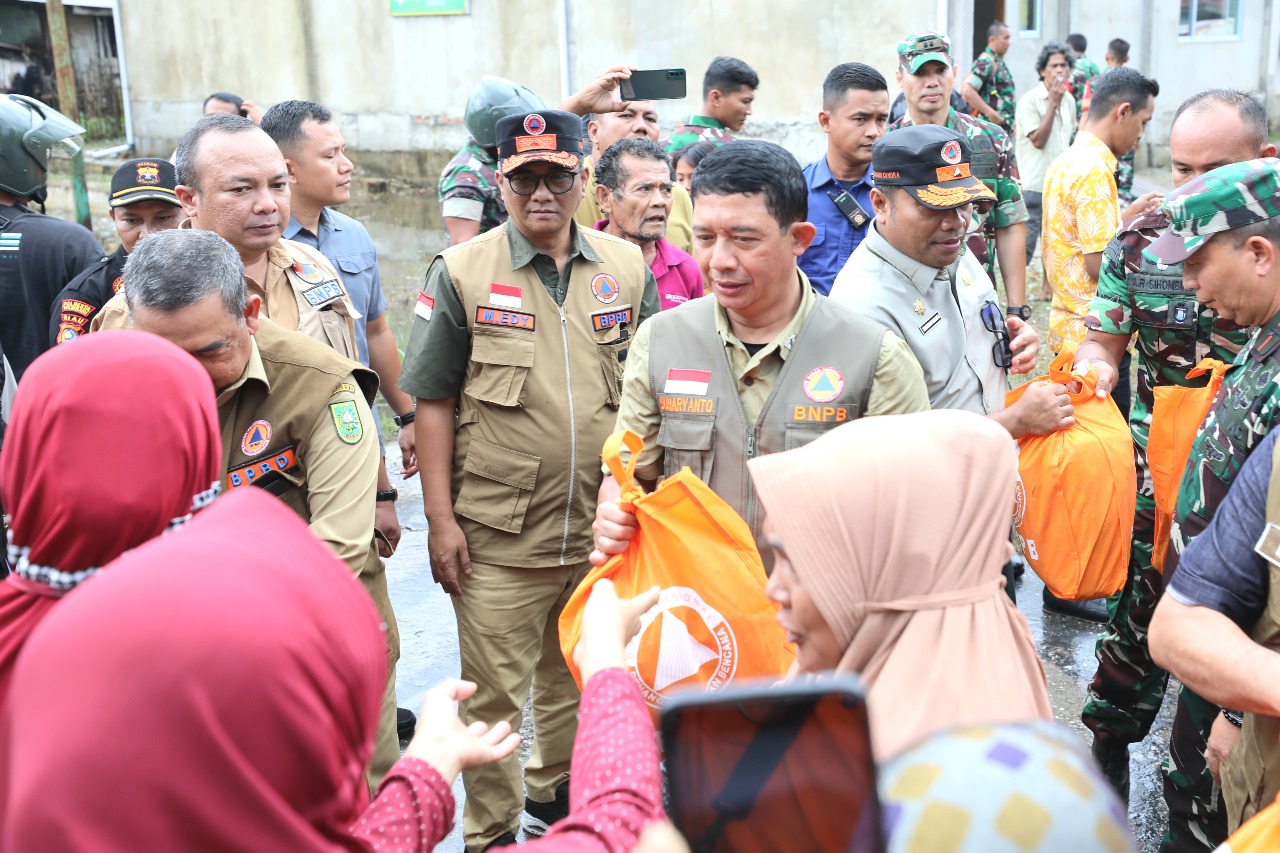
column 898, row 527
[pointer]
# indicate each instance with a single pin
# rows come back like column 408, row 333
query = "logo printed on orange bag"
column 823, row 384
column 688, row 636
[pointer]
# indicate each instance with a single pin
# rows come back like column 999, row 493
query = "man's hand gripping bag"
column 712, row 623
column 1074, row 500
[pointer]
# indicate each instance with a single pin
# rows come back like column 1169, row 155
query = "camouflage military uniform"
column 472, row 176
column 1246, row 409
column 697, row 129
column 1173, row 334
column 995, row 163
column 1124, row 177
column 991, row 79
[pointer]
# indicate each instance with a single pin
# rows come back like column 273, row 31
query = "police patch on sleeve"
column 346, row 420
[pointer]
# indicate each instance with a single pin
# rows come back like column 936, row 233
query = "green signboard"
column 430, row 7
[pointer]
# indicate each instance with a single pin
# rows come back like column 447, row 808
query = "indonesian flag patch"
column 426, row 304
column 506, row 295
column 687, row 382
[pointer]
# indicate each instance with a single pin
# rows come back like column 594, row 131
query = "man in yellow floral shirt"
column 1081, row 205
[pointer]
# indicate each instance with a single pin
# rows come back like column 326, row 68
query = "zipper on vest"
column 573, row 435
column 751, row 489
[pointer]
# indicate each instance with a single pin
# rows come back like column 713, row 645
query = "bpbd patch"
column 602, row 320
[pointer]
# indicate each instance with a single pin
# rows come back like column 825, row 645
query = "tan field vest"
column 540, row 396
column 824, row 382
column 1251, row 771
column 320, row 309
column 303, row 375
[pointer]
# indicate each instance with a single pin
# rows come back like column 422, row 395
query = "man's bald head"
column 1216, row 127
column 188, row 147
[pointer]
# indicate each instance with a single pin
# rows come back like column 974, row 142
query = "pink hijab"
column 216, row 689
column 114, row 440
column 899, row 528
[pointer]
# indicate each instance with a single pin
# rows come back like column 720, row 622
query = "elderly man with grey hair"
column 295, row 415
column 232, row 180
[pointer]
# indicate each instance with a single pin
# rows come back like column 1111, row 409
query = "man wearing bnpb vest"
column 516, row 360
column 768, row 365
column 294, row 414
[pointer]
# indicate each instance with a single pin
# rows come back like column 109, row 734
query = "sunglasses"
column 559, row 183
column 994, row 321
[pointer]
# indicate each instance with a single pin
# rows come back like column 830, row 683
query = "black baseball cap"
column 932, row 163
column 146, row 179
column 551, row 136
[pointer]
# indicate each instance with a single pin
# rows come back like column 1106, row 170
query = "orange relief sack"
column 1074, row 501
column 1175, row 420
column 713, row 623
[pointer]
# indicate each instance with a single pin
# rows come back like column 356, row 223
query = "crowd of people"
column 825, row 346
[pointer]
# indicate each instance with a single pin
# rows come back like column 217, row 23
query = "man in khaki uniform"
column 516, row 360
column 295, row 415
column 232, row 179
column 639, row 120
column 766, row 366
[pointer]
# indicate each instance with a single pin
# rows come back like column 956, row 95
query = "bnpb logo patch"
column 823, row 384
column 681, row 637
column 256, row 438
column 951, row 152
column 534, row 124
column 605, row 288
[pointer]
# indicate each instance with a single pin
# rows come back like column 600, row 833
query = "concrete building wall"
column 399, row 85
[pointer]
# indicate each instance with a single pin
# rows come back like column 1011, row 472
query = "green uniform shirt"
column 697, row 129
column 435, row 366
column 1246, row 409
column 991, row 79
column 995, row 162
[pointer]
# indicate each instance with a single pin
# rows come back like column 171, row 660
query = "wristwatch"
column 388, row 495
column 1022, row 312
column 404, row 420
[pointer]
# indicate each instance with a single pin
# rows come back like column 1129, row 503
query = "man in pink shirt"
column 633, row 189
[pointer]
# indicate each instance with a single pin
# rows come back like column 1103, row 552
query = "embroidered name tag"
column 247, row 475
column 927, row 325
column 820, row 414
column 510, row 319
column 1147, row 283
column 602, row 320
column 682, row 405
column 323, row 293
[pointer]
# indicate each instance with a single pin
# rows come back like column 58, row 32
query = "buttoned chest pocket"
column 500, row 364
column 1160, row 302
column 819, row 236
column 986, row 165
column 799, row 434
column 612, row 330
column 356, row 270
column 686, row 442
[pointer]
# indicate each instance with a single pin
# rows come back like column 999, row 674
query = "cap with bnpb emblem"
column 1228, row 197
column 930, row 162
column 551, row 136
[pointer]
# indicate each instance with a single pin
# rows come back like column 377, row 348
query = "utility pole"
column 57, row 18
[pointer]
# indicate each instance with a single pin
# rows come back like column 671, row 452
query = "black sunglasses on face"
column 524, row 183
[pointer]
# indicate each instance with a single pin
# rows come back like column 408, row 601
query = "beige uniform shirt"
column 891, row 390
column 279, row 298
column 941, row 323
column 341, row 478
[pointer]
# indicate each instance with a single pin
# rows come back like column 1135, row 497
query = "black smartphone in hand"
column 663, row 84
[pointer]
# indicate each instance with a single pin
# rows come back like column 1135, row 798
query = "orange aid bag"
column 1175, row 420
column 713, row 623
column 1074, row 500
column 1260, row 834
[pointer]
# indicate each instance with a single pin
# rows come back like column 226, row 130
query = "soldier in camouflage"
column 470, row 200
column 926, row 75
column 1173, row 333
column 989, row 88
column 1243, row 198
column 1085, row 69
column 728, row 90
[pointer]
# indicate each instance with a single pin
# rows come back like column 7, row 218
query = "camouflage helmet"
column 495, row 98
column 1228, row 197
column 28, row 129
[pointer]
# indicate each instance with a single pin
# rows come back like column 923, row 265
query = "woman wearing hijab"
column 113, row 442
column 157, row 709
column 890, row 536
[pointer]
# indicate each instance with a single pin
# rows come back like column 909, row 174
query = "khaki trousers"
column 386, row 744
column 509, row 639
